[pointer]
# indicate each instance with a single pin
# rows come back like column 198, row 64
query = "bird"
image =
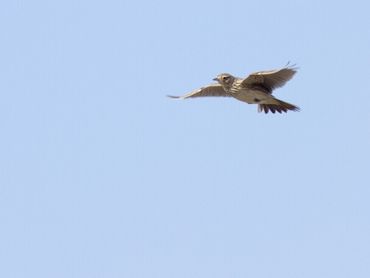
column 256, row 88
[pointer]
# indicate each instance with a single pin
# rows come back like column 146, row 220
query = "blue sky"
column 101, row 175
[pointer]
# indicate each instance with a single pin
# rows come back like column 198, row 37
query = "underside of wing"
column 270, row 80
column 213, row 90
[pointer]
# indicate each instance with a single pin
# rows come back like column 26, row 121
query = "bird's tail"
column 276, row 105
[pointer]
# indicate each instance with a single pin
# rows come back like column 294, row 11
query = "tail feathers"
column 278, row 106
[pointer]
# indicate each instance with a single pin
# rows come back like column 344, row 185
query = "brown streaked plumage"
column 256, row 88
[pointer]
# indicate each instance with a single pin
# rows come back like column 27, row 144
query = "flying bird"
column 256, row 88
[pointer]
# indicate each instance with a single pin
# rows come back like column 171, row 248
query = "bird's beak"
column 215, row 79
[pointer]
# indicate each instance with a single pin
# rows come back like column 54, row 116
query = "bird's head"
column 225, row 79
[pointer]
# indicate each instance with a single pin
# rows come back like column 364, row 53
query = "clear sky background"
column 101, row 175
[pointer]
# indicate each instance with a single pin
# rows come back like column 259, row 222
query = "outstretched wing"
column 269, row 80
column 213, row 90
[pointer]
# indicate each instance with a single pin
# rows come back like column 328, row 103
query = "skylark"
column 257, row 88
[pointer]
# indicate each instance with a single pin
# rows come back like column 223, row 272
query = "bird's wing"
column 270, row 79
column 213, row 90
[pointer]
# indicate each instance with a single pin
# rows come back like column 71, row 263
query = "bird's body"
column 257, row 88
column 248, row 95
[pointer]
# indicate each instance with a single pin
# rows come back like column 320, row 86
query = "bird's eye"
column 225, row 78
